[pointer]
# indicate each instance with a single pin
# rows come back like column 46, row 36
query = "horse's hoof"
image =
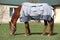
column 11, row 34
column 27, row 34
column 49, row 34
column 42, row 34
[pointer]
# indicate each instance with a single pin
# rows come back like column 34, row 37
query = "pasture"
column 36, row 31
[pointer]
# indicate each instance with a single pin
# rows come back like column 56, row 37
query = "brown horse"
column 15, row 17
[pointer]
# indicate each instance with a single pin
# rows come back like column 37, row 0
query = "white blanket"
column 36, row 11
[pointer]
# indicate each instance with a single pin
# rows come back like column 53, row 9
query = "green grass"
column 36, row 30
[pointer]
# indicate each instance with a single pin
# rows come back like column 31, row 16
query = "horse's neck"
column 16, row 14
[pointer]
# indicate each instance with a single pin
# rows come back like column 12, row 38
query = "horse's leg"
column 27, row 28
column 12, row 29
column 51, row 24
column 45, row 27
column 11, row 33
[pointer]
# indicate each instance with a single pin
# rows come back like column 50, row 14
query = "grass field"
column 36, row 30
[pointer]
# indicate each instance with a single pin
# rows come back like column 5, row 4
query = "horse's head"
column 12, row 28
column 14, row 19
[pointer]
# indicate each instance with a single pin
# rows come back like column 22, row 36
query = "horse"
column 12, row 24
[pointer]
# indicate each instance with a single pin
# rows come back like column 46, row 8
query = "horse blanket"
column 36, row 11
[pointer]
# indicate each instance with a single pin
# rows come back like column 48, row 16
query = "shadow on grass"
column 55, row 33
column 19, row 33
column 35, row 34
column 41, row 33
